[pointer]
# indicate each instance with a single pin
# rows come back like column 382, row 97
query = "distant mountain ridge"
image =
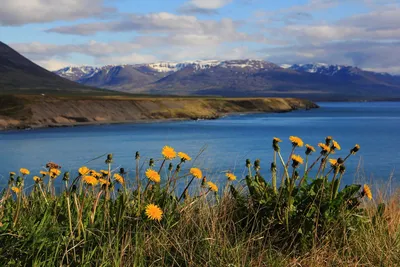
column 248, row 77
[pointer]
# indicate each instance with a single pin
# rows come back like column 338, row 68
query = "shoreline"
column 35, row 112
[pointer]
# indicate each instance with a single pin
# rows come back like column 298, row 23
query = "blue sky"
column 364, row 33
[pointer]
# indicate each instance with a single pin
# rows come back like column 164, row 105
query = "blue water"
column 227, row 142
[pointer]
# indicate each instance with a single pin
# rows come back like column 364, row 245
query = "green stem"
column 187, row 186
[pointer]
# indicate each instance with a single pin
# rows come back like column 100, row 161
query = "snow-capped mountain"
column 322, row 68
column 237, row 78
column 86, row 72
column 76, row 73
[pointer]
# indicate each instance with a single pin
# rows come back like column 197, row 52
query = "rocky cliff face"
column 39, row 111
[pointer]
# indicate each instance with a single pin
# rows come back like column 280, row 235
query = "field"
column 159, row 214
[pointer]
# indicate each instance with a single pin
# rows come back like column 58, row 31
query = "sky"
column 59, row 33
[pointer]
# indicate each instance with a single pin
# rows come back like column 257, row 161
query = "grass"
column 101, row 218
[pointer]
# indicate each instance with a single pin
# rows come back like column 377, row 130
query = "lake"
column 228, row 142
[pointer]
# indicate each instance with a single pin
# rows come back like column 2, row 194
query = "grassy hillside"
column 20, row 75
column 20, row 111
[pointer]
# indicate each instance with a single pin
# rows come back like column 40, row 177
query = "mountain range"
column 241, row 78
column 230, row 78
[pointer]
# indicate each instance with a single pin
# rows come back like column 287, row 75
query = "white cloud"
column 203, row 6
column 209, row 4
column 20, row 12
column 132, row 58
column 53, row 64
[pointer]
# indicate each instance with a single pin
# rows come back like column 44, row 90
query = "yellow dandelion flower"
column 104, row 181
column 184, row 156
column 37, row 179
column 153, row 212
column 15, row 189
column 296, row 141
column 333, row 162
column 83, row 170
column 12, row 173
column 367, row 191
column 230, row 176
column 54, row 173
column 168, row 152
column 311, row 148
column 104, row 172
column 297, row 159
column 196, row 172
column 324, row 147
column 335, row 145
column 24, row 171
column 90, row 180
column 277, row 140
column 213, row 187
column 43, row 173
column 119, row 178
column 153, row 175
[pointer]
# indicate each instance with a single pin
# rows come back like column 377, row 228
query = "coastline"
column 31, row 112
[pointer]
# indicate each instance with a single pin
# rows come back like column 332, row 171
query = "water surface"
column 228, row 141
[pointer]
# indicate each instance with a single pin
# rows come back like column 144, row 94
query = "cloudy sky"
column 56, row 33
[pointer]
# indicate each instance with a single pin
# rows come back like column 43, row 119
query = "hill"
column 20, row 75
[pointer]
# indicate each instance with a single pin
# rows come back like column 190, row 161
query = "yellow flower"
column 328, row 140
column 15, row 189
column 83, row 170
column 104, row 181
column 104, row 172
column 277, row 140
column 119, row 178
column 231, row 176
column 90, row 180
column 297, row 159
column 184, row 156
column 333, row 162
column 24, row 171
column 213, row 187
column 153, row 175
column 37, row 179
column 95, row 174
column 153, row 212
column 367, row 191
column 296, row 141
column 54, row 173
column 168, row 152
column 335, row 145
column 12, row 173
column 196, row 172
column 311, row 148
column 324, row 147
column 44, row 173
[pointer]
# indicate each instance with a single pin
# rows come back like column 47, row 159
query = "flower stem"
column 187, row 186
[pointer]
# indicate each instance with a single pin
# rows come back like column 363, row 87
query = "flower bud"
column 66, row 176
column 248, row 163
column 151, row 162
column 257, row 165
column 137, row 155
column 109, row 159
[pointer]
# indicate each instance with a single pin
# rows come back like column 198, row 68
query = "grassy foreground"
column 140, row 218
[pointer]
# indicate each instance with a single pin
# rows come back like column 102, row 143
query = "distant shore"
column 37, row 111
